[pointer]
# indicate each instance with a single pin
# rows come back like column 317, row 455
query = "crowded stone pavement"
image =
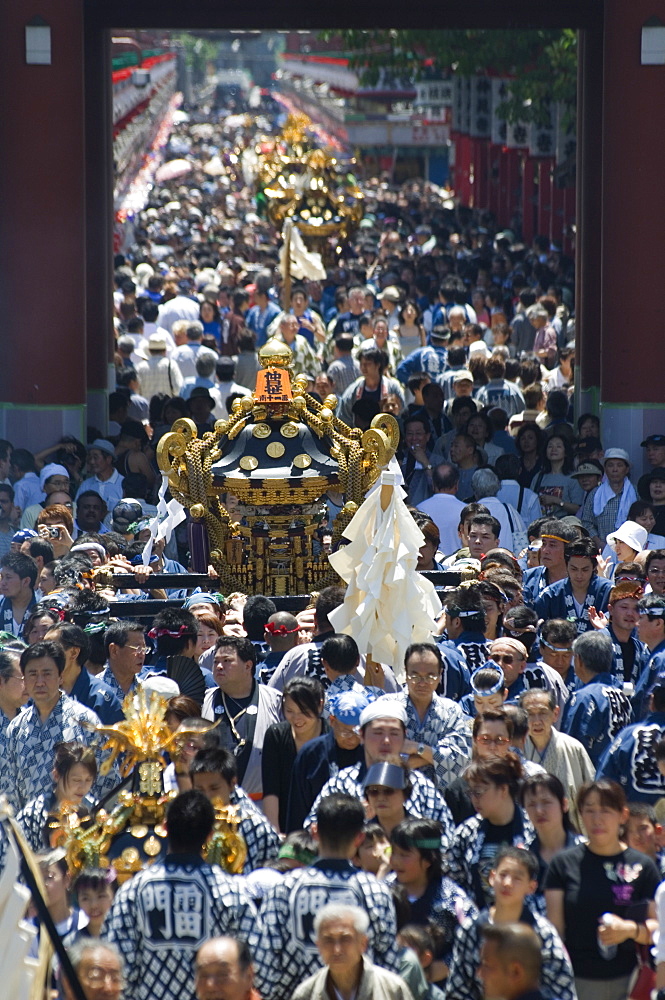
column 489, row 827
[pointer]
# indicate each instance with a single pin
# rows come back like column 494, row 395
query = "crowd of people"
column 489, row 826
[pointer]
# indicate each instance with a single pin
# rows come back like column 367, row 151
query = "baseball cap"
column 654, row 439
column 589, row 468
column 392, row 293
column 658, row 473
column 574, row 521
column 617, row 453
column 463, row 376
column 101, row 444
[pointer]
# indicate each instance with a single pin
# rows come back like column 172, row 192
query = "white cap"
column 166, row 686
column 479, row 347
column 383, row 708
column 617, row 453
column 631, row 533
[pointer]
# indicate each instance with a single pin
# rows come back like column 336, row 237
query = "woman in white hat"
column 624, row 545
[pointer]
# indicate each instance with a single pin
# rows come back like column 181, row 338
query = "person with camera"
column 56, row 525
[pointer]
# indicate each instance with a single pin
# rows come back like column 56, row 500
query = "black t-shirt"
column 279, row 754
column 459, row 801
column 594, row 884
column 494, row 838
column 659, row 514
column 348, row 322
column 374, row 394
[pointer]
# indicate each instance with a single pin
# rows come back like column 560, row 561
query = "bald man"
column 281, row 634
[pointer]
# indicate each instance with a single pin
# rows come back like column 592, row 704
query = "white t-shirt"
column 177, row 308
column 498, row 510
column 444, row 509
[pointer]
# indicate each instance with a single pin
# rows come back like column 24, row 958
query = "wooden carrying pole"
column 286, row 289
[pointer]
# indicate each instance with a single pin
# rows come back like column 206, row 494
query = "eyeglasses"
column 503, row 658
column 477, row 793
column 417, row 678
column 137, row 649
column 380, row 790
column 97, row 976
column 496, row 741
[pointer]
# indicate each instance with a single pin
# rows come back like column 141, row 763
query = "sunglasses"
column 496, row 741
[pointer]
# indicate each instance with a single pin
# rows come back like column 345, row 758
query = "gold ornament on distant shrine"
column 312, row 187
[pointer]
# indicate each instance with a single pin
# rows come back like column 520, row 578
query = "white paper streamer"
column 168, row 517
column 388, row 604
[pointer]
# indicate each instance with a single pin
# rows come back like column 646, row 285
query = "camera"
column 53, row 532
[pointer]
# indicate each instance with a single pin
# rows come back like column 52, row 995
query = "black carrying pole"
column 45, row 916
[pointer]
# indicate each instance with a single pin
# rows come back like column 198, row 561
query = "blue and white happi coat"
column 287, row 952
column 27, row 750
column 162, row 916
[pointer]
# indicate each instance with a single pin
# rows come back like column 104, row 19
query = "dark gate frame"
column 587, row 16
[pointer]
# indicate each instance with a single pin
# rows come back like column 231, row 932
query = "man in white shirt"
column 444, row 508
column 150, row 313
column 205, row 372
column 524, row 500
column 180, row 307
column 158, row 373
column 105, row 479
column 27, row 488
column 563, row 375
column 486, row 484
column 186, row 355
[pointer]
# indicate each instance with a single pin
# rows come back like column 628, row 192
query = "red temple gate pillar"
column 42, row 236
column 632, row 388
